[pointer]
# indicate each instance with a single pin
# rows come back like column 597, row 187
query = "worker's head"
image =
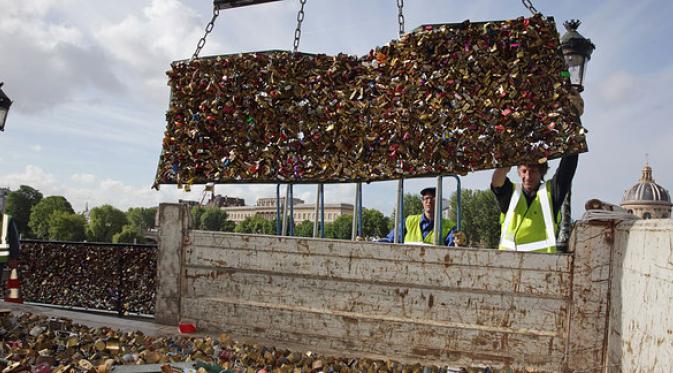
column 428, row 200
column 531, row 175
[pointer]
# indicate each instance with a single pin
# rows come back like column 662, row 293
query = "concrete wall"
column 412, row 303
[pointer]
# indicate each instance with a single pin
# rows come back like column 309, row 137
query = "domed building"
column 647, row 199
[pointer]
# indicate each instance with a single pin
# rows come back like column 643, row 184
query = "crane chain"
column 209, row 28
column 297, row 31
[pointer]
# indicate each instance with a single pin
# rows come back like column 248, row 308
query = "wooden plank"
column 469, row 308
column 432, row 275
column 381, row 335
column 367, row 250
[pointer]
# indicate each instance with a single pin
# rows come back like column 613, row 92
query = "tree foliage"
column 19, row 204
column 374, row 223
column 128, row 234
column 256, row 224
column 413, row 205
column 340, row 228
column 40, row 215
column 196, row 212
column 480, row 217
column 215, row 219
column 304, row 229
column 66, row 226
column 141, row 218
column 104, row 222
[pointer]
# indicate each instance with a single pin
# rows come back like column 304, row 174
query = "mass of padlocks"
column 442, row 99
column 32, row 343
column 93, row 276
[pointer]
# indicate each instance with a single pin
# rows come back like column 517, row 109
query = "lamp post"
column 577, row 52
column 5, row 103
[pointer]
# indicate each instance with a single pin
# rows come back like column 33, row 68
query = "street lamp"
column 5, row 103
column 577, row 52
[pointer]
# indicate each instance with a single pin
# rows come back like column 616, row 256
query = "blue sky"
column 89, row 87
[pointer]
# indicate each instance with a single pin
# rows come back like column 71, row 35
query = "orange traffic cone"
column 13, row 285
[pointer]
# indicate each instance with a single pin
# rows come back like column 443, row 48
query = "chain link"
column 400, row 16
column 297, row 31
column 529, row 5
column 209, row 28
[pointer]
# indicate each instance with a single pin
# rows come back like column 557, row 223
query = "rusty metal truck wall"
column 456, row 306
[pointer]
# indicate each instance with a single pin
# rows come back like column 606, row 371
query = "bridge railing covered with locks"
column 95, row 276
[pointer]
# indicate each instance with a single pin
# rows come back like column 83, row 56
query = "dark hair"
column 542, row 167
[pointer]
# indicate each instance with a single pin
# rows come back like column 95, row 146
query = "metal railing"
column 89, row 276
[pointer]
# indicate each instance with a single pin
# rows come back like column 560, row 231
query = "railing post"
column 278, row 227
column 438, row 212
column 120, row 279
column 316, row 211
column 398, row 223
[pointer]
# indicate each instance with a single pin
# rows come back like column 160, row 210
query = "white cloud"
column 83, row 178
column 36, row 148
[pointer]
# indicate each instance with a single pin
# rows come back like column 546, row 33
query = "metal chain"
column 529, row 5
column 209, row 28
column 297, row 31
column 400, row 16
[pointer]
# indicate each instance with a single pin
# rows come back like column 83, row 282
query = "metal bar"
column 285, row 208
column 228, row 4
column 437, row 230
column 459, row 200
column 354, row 220
column 291, row 217
column 317, row 208
column 278, row 227
column 322, row 211
column 120, row 281
column 398, row 229
column 402, row 219
column 360, row 226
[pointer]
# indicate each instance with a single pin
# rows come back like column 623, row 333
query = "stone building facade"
column 647, row 199
column 266, row 208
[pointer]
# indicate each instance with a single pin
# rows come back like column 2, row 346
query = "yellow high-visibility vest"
column 414, row 233
column 529, row 228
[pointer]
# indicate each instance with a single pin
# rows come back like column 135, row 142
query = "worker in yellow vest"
column 419, row 229
column 530, row 210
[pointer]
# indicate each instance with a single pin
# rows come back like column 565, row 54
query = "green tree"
column 256, row 224
column 196, row 212
column 413, row 205
column 340, row 228
column 128, row 234
column 480, row 217
column 104, row 222
column 19, row 204
column 141, row 218
column 40, row 215
column 374, row 223
column 304, row 229
column 215, row 219
column 66, row 226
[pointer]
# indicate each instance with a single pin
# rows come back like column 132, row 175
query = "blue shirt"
column 426, row 227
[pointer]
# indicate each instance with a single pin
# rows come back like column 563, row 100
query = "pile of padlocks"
column 31, row 343
column 102, row 277
column 442, row 99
